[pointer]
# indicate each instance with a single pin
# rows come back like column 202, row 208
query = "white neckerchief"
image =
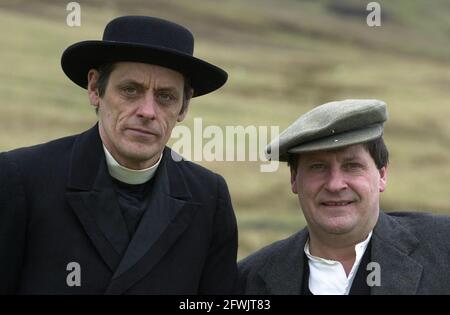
column 127, row 175
column 328, row 276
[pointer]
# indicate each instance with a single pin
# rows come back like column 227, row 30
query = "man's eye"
column 317, row 166
column 166, row 97
column 352, row 166
column 130, row 91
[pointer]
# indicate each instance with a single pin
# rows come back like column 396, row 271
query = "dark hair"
column 376, row 148
column 104, row 71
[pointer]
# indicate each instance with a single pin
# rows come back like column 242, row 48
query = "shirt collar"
column 360, row 248
column 127, row 175
column 328, row 276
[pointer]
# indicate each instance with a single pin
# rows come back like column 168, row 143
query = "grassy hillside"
column 283, row 58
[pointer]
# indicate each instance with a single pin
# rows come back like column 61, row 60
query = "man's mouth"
column 142, row 131
column 340, row 203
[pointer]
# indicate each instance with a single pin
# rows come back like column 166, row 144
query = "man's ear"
column 383, row 178
column 94, row 97
column 185, row 106
column 294, row 181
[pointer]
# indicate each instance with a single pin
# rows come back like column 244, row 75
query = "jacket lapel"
column 168, row 215
column 92, row 198
column 283, row 273
column 391, row 246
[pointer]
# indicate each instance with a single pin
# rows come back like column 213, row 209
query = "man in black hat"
column 338, row 162
column 111, row 210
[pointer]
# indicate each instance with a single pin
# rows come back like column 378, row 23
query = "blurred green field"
column 283, row 58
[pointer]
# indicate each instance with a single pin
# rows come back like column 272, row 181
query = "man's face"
column 138, row 111
column 339, row 190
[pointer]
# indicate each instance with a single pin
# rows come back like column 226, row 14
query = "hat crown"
column 331, row 125
column 145, row 30
column 340, row 116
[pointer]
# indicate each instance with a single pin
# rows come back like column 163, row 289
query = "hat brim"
column 338, row 141
column 79, row 58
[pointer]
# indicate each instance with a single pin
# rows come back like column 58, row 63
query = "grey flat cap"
column 330, row 126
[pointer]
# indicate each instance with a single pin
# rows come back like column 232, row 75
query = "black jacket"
column 56, row 208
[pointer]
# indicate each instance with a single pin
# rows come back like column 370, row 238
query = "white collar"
column 127, row 175
column 328, row 276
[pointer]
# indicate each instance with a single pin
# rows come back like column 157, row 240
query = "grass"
column 283, row 58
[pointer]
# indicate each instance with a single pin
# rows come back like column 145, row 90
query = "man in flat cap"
column 111, row 211
column 338, row 162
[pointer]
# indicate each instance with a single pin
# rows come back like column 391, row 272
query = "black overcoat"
column 58, row 206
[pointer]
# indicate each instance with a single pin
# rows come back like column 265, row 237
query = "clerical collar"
column 127, row 175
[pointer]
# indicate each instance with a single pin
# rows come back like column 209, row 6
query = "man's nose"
column 147, row 109
column 336, row 181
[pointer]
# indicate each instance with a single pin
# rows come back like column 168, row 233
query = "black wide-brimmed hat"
column 148, row 40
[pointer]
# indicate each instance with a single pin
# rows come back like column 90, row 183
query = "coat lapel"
column 168, row 215
column 92, row 198
column 283, row 273
column 391, row 246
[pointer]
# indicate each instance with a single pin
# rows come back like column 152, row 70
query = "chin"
column 338, row 226
column 337, row 230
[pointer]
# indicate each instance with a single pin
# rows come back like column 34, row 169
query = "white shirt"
column 328, row 276
column 127, row 175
